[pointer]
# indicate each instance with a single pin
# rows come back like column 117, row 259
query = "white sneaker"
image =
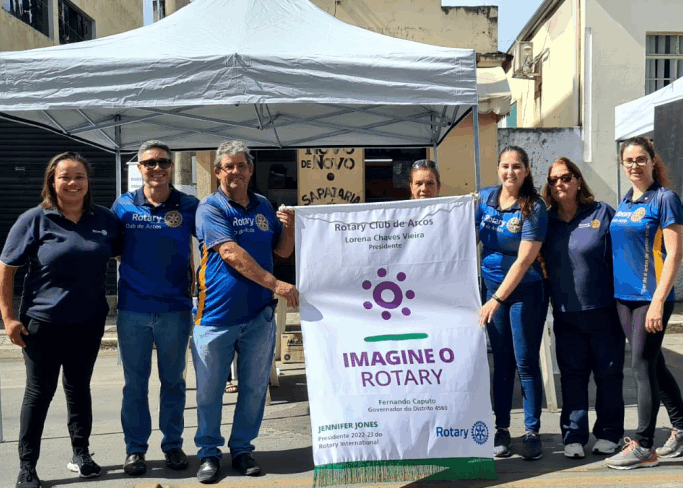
column 574, row 451
column 603, row 446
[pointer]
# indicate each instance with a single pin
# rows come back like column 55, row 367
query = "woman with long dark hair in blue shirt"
column 647, row 234
column 511, row 220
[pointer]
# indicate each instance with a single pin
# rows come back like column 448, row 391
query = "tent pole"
column 618, row 198
column 436, row 154
column 117, row 140
column 477, row 161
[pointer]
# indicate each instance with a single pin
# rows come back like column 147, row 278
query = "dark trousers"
column 654, row 381
column 590, row 341
column 49, row 348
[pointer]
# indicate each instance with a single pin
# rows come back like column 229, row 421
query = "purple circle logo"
column 388, row 294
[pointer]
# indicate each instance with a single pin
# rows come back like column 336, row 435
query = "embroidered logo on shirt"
column 262, row 222
column 638, row 215
column 103, row 232
column 595, row 223
column 173, row 219
column 514, row 225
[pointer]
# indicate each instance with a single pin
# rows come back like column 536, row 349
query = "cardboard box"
column 292, row 347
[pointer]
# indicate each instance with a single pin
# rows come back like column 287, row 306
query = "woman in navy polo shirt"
column 511, row 220
column 67, row 243
column 578, row 256
column 646, row 249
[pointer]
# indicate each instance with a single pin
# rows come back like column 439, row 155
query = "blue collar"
column 52, row 211
column 173, row 199
column 253, row 201
column 582, row 210
column 492, row 201
column 645, row 197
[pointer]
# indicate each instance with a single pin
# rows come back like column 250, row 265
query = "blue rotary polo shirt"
column 638, row 244
column 67, row 263
column 501, row 232
column 226, row 297
column 578, row 256
column 155, row 269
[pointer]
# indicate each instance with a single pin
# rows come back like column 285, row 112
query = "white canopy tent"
column 277, row 73
column 637, row 117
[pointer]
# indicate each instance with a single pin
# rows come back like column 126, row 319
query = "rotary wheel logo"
column 638, row 215
column 595, row 224
column 480, row 433
column 380, row 292
column 173, row 219
column 262, row 222
column 514, row 225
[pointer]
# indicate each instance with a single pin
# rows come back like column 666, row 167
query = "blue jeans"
column 591, row 340
column 137, row 332
column 515, row 334
column 212, row 353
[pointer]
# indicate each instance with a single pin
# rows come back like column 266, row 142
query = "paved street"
column 284, row 447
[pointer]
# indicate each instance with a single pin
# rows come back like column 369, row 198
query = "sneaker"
column 246, row 465
column 632, row 456
column 574, row 451
column 135, row 464
column 603, row 446
column 83, row 464
column 673, row 447
column 502, row 444
column 532, row 448
column 176, row 459
column 28, row 478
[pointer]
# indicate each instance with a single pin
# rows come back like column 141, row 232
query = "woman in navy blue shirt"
column 646, row 233
column 578, row 256
column 67, row 243
column 511, row 221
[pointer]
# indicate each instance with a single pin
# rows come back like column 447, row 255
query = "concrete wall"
column 422, row 21
column 544, row 146
column 16, row 36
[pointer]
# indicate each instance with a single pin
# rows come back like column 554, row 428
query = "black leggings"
column 50, row 348
column 653, row 378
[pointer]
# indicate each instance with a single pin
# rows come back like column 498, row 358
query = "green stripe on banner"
column 396, row 337
column 404, row 470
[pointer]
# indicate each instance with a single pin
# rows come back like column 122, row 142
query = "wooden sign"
column 327, row 176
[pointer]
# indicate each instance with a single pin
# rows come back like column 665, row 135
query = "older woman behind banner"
column 511, row 220
column 578, row 256
column 425, row 181
column 67, row 243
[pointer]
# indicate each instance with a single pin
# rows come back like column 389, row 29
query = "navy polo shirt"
column 578, row 256
column 67, row 263
column 638, row 243
column 155, row 269
column 501, row 232
column 226, row 297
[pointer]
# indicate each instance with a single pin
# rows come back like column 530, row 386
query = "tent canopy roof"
column 277, row 73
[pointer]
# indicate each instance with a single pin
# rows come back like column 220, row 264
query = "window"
column 32, row 12
column 159, row 9
column 663, row 60
column 74, row 26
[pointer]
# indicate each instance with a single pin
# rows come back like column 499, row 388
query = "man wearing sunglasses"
column 154, row 305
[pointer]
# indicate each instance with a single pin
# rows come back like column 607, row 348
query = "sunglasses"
column 566, row 178
column 424, row 162
column 152, row 163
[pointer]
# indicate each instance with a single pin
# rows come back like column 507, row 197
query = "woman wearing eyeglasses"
column 578, row 256
column 425, row 181
column 646, row 249
column 66, row 243
column 511, row 220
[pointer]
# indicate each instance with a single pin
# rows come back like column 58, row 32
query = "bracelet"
column 497, row 298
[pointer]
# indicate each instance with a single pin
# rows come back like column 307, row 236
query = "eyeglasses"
column 424, row 162
column 163, row 163
column 565, row 178
column 231, row 167
column 639, row 161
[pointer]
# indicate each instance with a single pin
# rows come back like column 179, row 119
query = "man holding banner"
column 238, row 232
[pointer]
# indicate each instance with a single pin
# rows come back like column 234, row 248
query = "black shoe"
column 83, row 464
column 135, row 464
column 246, row 464
column 208, row 469
column 502, row 444
column 176, row 459
column 28, row 478
column 532, row 448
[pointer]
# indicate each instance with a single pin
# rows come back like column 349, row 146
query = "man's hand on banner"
column 487, row 311
column 288, row 292
column 286, row 216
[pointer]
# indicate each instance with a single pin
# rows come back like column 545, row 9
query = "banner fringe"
column 404, row 470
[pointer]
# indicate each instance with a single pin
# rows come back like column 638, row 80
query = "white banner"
column 395, row 359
